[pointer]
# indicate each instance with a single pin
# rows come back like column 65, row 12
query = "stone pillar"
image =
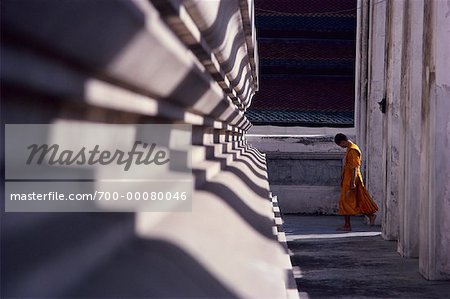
column 362, row 26
column 391, row 121
column 434, row 259
column 409, row 183
column 376, row 92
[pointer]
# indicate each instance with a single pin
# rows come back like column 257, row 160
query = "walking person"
column 354, row 198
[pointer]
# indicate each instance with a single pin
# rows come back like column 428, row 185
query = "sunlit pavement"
column 356, row 264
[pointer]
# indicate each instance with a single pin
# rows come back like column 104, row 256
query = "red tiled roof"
column 311, row 7
column 306, row 54
column 311, row 94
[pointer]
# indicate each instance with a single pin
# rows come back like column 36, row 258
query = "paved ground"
column 360, row 264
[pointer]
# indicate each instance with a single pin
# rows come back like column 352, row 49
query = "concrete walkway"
column 358, row 264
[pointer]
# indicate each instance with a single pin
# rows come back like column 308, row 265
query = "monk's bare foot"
column 344, row 228
column 372, row 219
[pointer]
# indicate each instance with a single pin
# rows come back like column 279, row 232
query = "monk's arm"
column 353, row 181
column 354, row 162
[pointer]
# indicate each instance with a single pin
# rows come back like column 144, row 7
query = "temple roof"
column 306, row 62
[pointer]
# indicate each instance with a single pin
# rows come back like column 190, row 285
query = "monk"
column 354, row 199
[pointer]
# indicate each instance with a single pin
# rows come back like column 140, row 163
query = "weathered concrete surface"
column 410, row 129
column 373, row 156
column 309, row 169
column 435, row 153
column 302, row 199
column 296, row 139
column 391, row 121
column 360, row 264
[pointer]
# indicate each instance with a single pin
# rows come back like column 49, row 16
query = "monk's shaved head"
column 339, row 138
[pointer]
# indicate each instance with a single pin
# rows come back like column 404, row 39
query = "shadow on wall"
column 65, row 60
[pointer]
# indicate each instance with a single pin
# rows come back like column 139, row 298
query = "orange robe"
column 357, row 201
